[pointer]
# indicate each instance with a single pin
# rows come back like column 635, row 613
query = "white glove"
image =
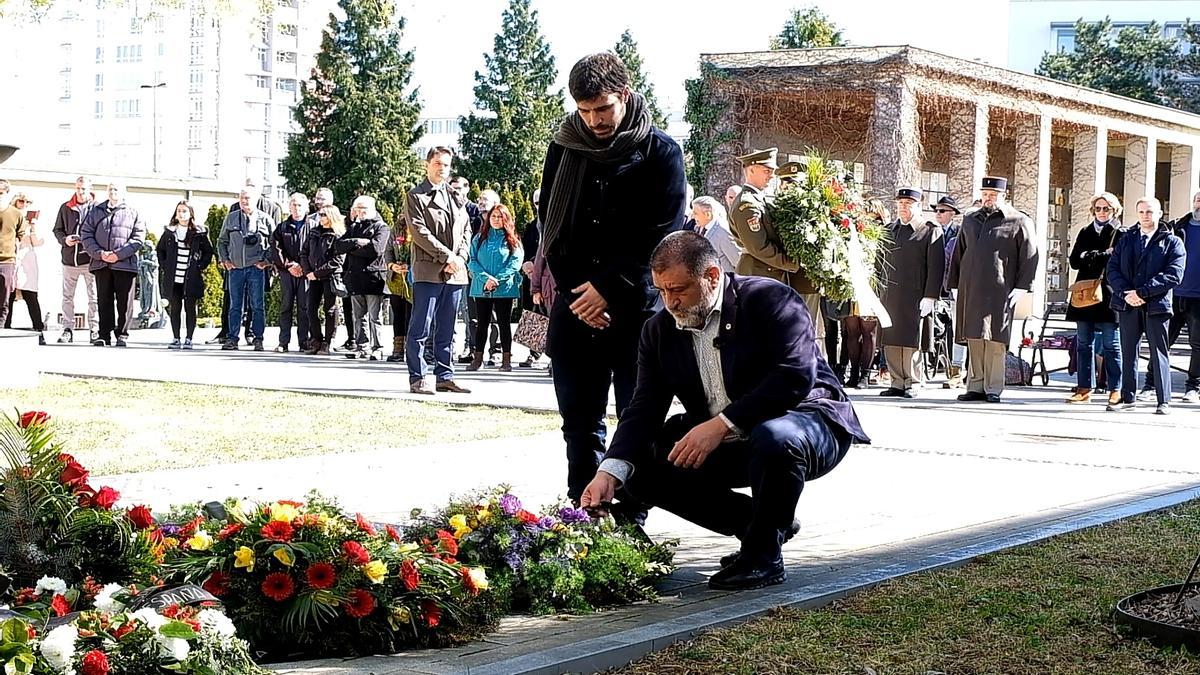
column 1015, row 296
column 927, row 306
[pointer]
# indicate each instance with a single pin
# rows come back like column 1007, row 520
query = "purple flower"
column 515, row 561
column 545, row 522
column 509, row 504
column 572, row 516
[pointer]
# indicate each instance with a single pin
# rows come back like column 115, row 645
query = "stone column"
column 968, row 151
column 1141, row 156
column 1091, row 165
column 1030, row 189
column 1185, row 178
column 894, row 154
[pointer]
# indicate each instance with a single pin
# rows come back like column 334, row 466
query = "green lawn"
column 122, row 426
column 1036, row 609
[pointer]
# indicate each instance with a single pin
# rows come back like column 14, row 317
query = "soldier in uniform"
column 994, row 263
column 762, row 250
column 911, row 269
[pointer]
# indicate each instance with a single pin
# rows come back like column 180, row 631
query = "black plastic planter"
column 1162, row 634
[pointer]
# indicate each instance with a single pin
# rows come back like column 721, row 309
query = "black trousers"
column 347, row 321
column 294, row 306
column 112, row 294
column 31, row 304
column 1134, row 323
column 322, row 309
column 774, row 461
column 1187, row 313
column 501, row 310
column 586, row 363
column 401, row 315
column 8, row 284
column 178, row 304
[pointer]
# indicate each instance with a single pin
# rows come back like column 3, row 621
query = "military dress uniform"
column 911, row 267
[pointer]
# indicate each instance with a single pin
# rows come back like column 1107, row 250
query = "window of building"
column 267, row 115
column 266, row 138
column 135, row 26
column 99, row 54
column 195, row 109
column 285, row 84
column 162, row 49
column 197, row 28
column 195, row 81
column 279, row 166
column 264, row 58
column 66, row 90
column 285, row 57
column 194, row 136
column 288, row 29
column 1063, row 36
column 936, row 185
column 262, row 81
column 99, row 27
column 129, row 54
column 99, row 81
column 128, row 108
column 98, row 112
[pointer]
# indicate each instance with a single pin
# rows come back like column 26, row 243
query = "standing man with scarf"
column 613, row 186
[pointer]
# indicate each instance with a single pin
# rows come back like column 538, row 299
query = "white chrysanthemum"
column 58, row 647
column 214, row 621
column 53, row 585
column 151, row 618
column 105, row 602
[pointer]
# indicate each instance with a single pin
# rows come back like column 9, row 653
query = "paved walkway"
column 942, row 477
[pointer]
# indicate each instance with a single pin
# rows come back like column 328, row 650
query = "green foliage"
column 358, row 122
column 808, row 28
column 1187, row 94
column 521, row 110
column 627, row 49
column 210, row 305
column 703, row 113
column 1136, row 61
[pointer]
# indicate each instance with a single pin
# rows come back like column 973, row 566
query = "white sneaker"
column 1192, row 396
column 1147, row 394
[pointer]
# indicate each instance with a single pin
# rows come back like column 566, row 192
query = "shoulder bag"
column 1090, row 291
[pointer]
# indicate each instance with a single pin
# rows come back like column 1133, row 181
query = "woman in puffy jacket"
column 495, row 265
column 184, row 252
column 322, row 266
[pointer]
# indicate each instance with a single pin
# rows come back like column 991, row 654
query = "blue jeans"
column 242, row 282
column 1086, row 334
column 437, row 304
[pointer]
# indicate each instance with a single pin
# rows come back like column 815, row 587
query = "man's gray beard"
column 1196, row 215
column 694, row 317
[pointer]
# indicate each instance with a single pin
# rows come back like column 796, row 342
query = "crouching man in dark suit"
column 763, row 410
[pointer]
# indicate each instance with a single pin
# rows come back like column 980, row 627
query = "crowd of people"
column 758, row 359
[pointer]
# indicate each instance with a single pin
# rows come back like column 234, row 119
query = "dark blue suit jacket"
column 1154, row 273
column 769, row 359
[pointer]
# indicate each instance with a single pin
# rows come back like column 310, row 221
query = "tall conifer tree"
column 627, row 49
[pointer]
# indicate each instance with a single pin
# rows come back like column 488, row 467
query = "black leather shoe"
column 892, row 391
column 993, row 398
column 973, row 396
column 727, row 560
column 745, row 575
column 908, row 393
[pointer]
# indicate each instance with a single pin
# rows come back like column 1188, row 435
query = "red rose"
column 321, row 575
column 94, row 662
column 32, row 418
column 846, row 222
column 73, row 474
column 392, row 533
column 230, row 530
column 277, row 530
column 364, row 524
column 60, row 605
column 433, row 613
column 189, row 528
column 217, row 583
column 104, row 498
column 123, row 630
column 356, row 553
column 860, row 226
column 409, row 574
column 141, row 517
column 278, row 586
column 361, row 603
column 526, row 517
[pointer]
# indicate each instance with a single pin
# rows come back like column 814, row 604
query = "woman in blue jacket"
column 1145, row 267
column 495, row 265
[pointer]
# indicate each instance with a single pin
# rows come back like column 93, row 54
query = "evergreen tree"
column 1187, row 97
column 808, row 28
column 210, row 305
column 358, row 121
column 519, row 109
column 627, row 49
column 1136, row 61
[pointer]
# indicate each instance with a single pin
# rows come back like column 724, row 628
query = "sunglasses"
column 1102, row 209
column 944, row 210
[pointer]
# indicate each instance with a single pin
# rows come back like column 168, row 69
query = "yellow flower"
column 478, row 578
column 375, row 570
column 284, row 556
column 582, row 553
column 201, row 541
column 244, row 557
column 459, row 523
column 399, row 617
column 483, row 515
column 407, row 548
column 285, row 513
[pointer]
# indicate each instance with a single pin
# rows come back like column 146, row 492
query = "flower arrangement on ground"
column 302, row 578
column 557, row 560
column 54, row 521
column 824, row 226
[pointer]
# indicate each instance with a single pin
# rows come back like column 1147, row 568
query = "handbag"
column 531, row 331
column 337, row 284
column 1090, row 291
